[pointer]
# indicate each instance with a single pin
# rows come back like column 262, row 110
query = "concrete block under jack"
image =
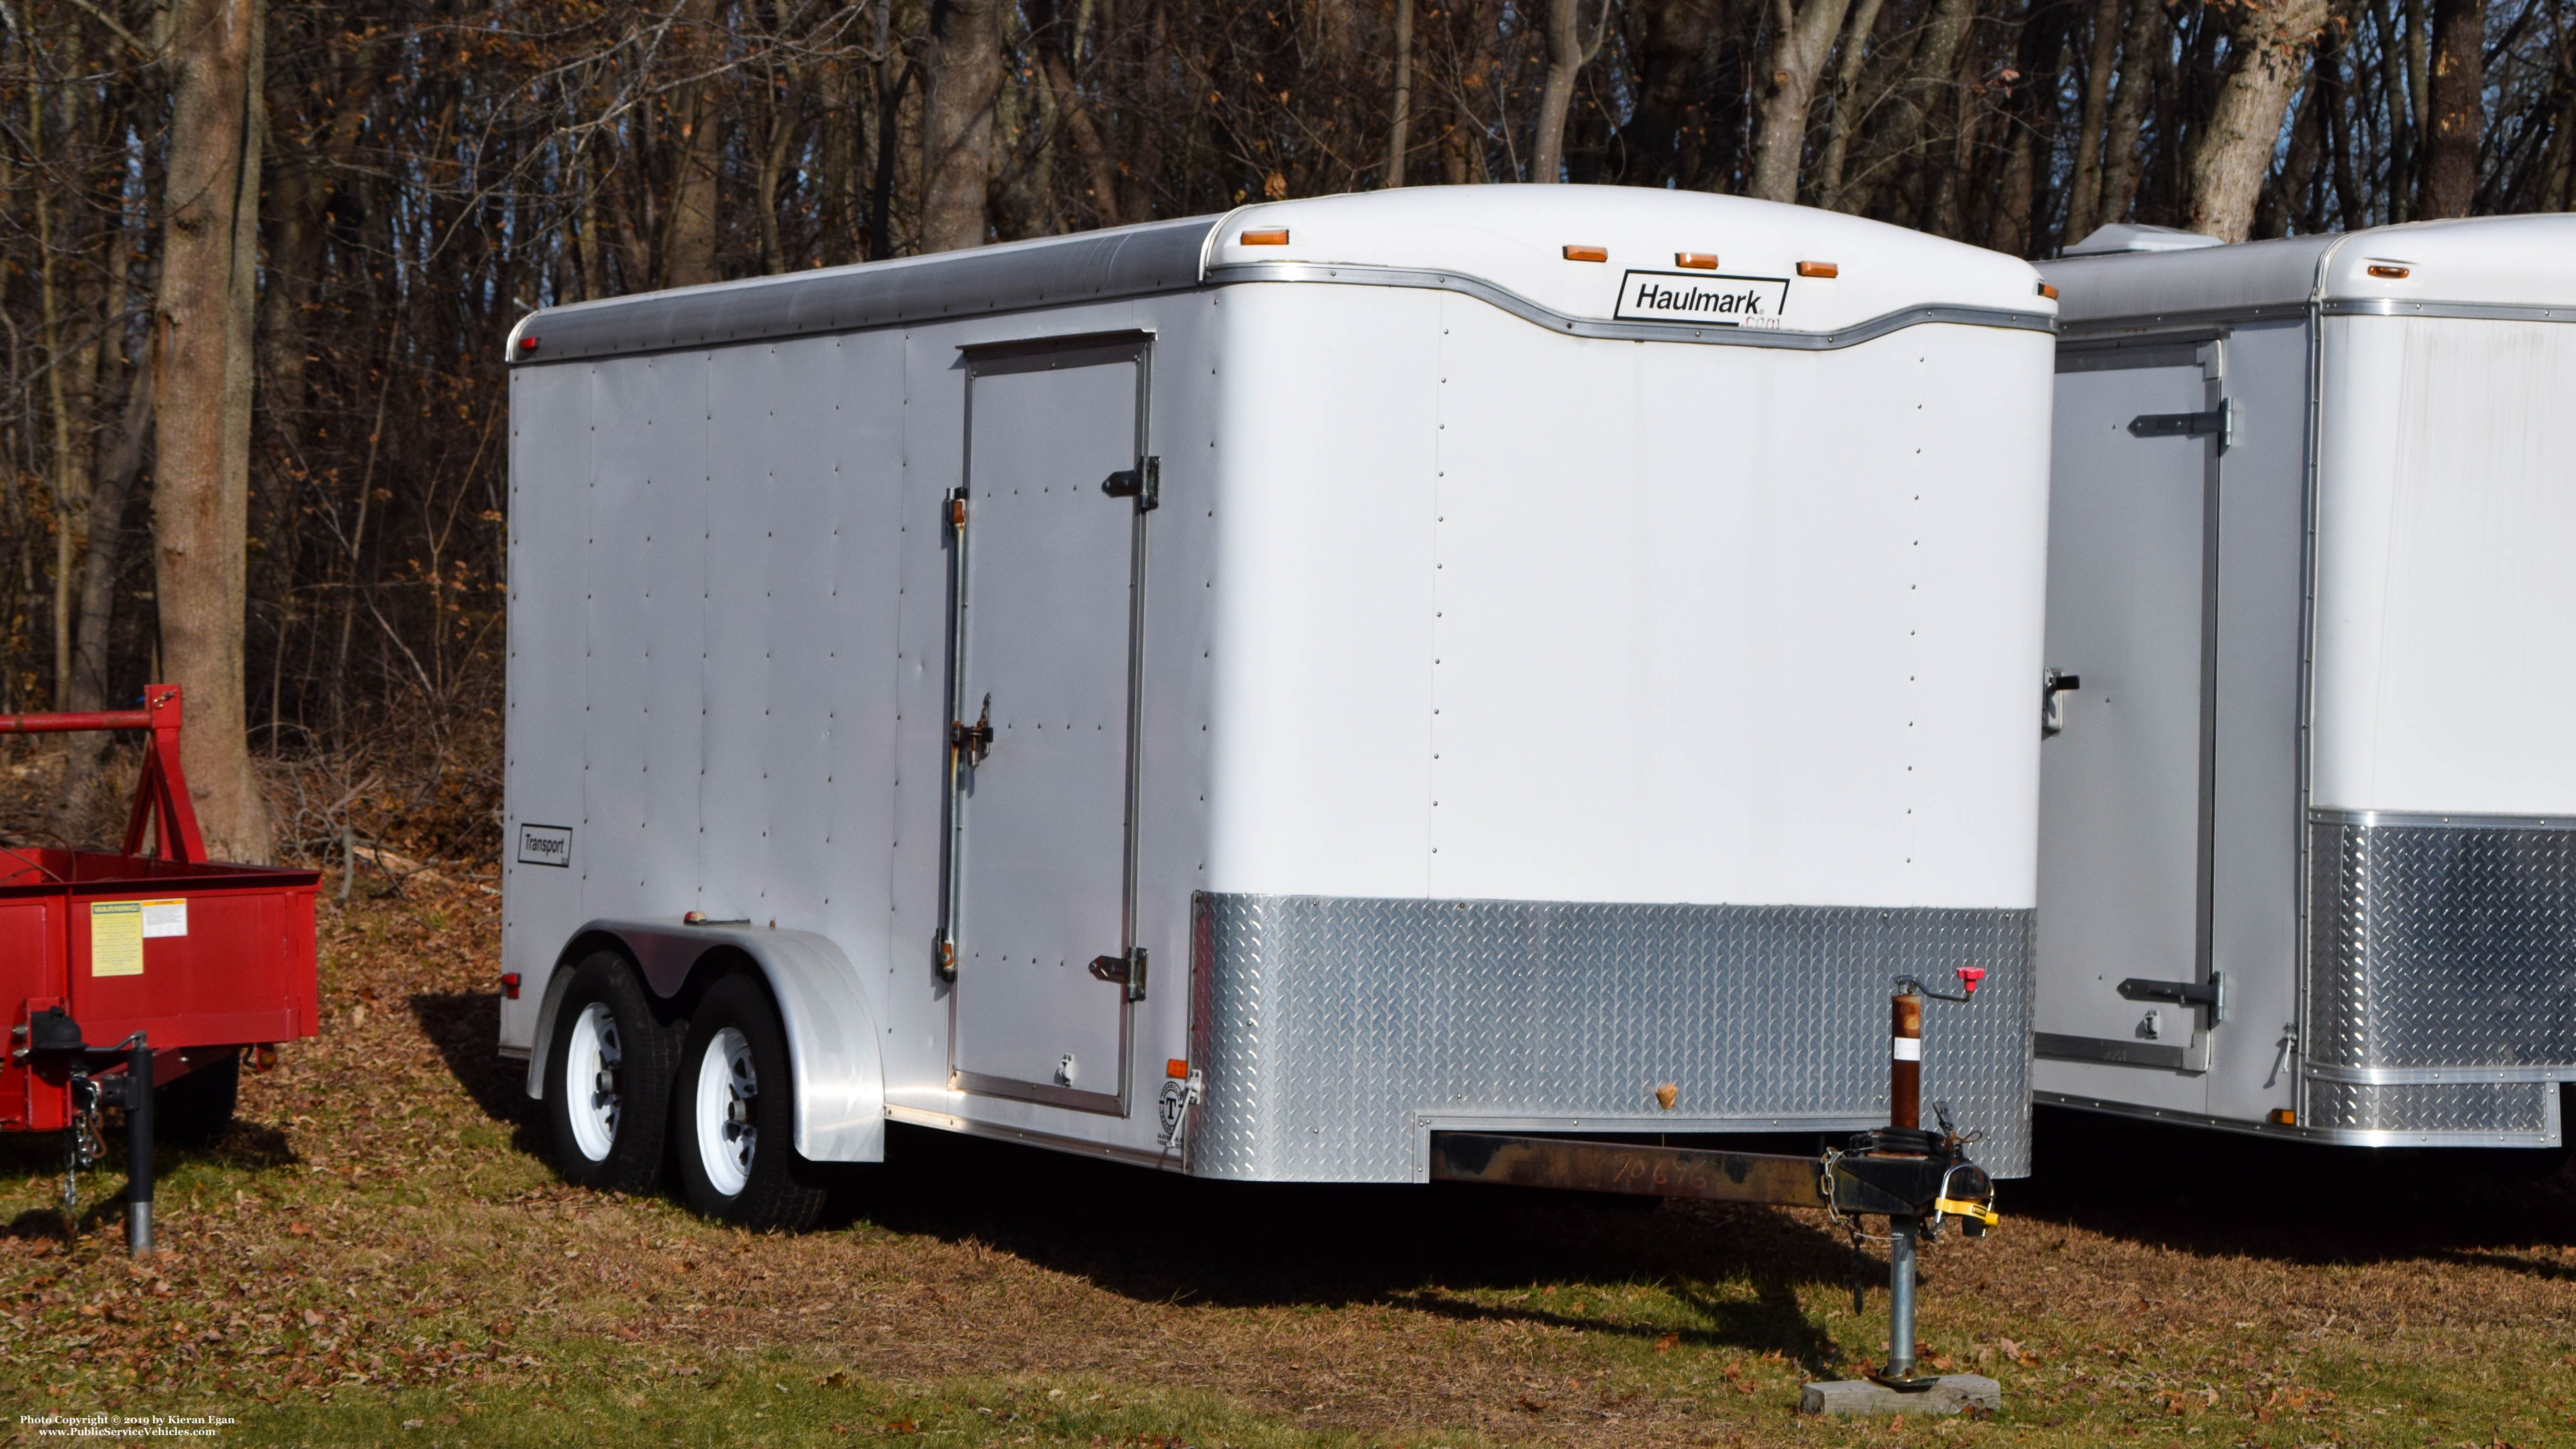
column 1955, row 1393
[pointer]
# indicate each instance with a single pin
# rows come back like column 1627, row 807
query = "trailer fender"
column 832, row 1036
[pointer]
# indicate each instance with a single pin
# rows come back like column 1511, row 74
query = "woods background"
column 257, row 263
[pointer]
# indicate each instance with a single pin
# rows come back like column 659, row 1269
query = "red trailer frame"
column 201, row 959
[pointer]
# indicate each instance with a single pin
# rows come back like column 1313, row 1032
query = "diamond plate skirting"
column 1328, row 1026
column 2475, row 1109
column 2437, row 946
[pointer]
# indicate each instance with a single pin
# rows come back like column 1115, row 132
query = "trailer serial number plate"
column 1702, row 297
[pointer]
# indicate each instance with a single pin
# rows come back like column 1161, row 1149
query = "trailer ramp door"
column 1047, row 619
column 2125, row 841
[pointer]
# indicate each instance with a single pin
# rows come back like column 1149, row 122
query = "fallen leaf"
column 1535, row 1406
column 1668, row 1343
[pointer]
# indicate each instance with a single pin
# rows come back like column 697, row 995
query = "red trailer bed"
column 111, row 960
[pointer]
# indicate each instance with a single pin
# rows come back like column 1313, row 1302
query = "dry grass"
column 379, row 1242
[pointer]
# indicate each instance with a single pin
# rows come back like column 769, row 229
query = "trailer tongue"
column 1914, row 1177
column 137, row 976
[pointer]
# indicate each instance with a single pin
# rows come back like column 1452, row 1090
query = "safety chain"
column 82, row 1145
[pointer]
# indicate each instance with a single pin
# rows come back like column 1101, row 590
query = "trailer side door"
column 2125, row 781
column 1047, row 533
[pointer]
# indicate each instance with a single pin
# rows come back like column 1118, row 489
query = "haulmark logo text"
column 1702, row 297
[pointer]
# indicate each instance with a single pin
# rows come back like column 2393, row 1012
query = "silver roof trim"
column 1362, row 275
column 2485, row 311
column 2203, row 317
column 1087, row 267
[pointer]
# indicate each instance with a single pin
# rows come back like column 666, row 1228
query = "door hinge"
column 1127, row 971
column 2052, row 710
column 1144, row 483
column 2209, row 994
column 2219, row 422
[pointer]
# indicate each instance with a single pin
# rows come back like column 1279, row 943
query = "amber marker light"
column 1275, row 238
column 1819, row 269
column 2394, row 274
column 2048, row 291
column 1696, row 261
column 2284, row 1117
column 1175, row 1067
column 1587, row 254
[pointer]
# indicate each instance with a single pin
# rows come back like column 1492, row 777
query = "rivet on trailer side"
column 2308, row 821
column 1278, row 696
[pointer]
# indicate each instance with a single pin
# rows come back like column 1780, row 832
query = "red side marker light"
column 509, row 986
column 263, row 1057
column 527, row 344
column 1969, row 976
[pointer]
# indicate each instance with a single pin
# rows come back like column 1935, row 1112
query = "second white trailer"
column 2308, row 829
column 1247, row 694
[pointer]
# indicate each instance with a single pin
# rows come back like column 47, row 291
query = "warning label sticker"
column 165, row 918
column 116, row 938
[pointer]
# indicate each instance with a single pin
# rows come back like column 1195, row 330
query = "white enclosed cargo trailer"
column 1246, row 694
column 2308, row 833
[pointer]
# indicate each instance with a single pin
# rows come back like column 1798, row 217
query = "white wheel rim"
column 591, row 1095
column 728, row 1106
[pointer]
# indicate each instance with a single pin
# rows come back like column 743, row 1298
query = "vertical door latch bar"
column 2219, row 422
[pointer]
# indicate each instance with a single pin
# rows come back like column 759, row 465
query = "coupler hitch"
column 1917, row 1178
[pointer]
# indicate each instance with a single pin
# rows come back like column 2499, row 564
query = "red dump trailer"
column 147, row 963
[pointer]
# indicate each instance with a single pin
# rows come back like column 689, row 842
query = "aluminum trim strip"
column 1365, row 275
column 2424, row 1076
column 2382, row 819
column 2478, row 311
column 2332, row 1137
column 1108, row 1103
column 969, row 1127
column 2201, row 317
column 2059, row 1047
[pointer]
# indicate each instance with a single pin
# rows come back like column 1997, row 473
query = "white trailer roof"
column 1598, row 261
column 2432, row 268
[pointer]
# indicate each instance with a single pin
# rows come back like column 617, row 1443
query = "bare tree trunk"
column 1805, row 37
column 2458, row 107
column 1567, row 55
column 2122, row 157
column 1399, row 131
column 1829, row 166
column 2083, row 206
column 964, row 68
column 201, row 512
column 1926, row 78
column 2272, row 39
column 689, row 256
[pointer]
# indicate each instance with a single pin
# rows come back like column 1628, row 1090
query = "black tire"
column 196, row 1110
column 734, row 1115
column 609, row 1128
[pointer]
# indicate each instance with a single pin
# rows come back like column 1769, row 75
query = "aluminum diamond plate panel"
column 2478, row 1109
column 2441, row 945
column 1328, row 1026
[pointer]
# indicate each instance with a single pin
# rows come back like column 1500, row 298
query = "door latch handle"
column 1144, row 483
column 2208, row 995
column 1127, row 971
column 973, row 741
column 2218, row 422
column 2052, row 710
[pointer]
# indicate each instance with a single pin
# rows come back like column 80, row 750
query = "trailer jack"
column 94, row 1082
column 1917, row 1179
